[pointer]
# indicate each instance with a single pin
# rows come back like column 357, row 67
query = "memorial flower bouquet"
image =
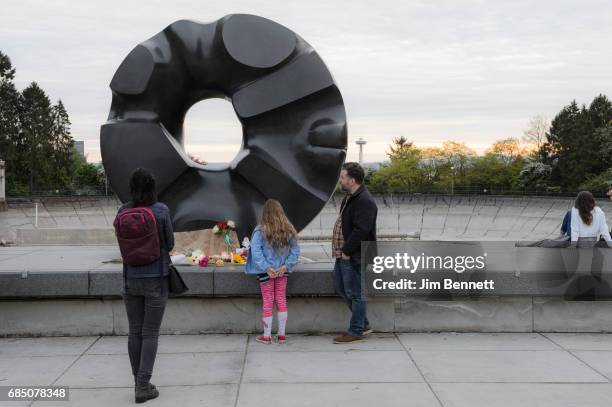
column 239, row 259
column 197, row 257
column 225, row 229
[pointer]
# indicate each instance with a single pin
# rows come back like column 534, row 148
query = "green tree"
column 35, row 138
column 600, row 111
column 499, row 169
column 86, row 175
column 506, row 150
column 569, row 146
column 577, row 144
column 36, row 129
column 62, row 145
column 9, row 122
column 535, row 175
column 493, row 174
column 447, row 165
column 402, row 173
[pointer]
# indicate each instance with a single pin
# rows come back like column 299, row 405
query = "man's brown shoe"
column 346, row 338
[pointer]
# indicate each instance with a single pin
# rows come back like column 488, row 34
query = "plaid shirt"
column 337, row 237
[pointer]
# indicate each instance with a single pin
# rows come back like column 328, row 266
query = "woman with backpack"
column 273, row 253
column 144, row 231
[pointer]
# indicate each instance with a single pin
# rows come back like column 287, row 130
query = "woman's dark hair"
column 585, row 203
column 142, row 187
column 355, row 171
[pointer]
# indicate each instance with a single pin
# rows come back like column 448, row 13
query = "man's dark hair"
column 355, row 171
column 142, row 187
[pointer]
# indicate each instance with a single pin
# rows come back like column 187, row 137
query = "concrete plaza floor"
column 411, row 369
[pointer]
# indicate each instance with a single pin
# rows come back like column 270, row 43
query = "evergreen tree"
column 570, row 146
column 9, row 122
column 36, row 129
column 600, row 111
column 62, row 145
column 35, row 138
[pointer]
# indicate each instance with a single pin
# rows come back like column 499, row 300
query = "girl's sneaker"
column 264, row 339
column 281, row 338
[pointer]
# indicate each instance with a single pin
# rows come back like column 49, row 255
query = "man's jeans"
column 347, row 281
column 145, row 301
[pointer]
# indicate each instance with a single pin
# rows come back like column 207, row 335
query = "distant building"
column 373, row 165
column 80, row 146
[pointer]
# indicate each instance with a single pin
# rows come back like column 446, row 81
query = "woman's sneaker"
column 281, row 338
column 146, row 392
column 367, row 330
column 264, row 339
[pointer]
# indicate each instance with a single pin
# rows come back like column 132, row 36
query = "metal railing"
column 493, row 190
column 456, row 190
column 62, row 191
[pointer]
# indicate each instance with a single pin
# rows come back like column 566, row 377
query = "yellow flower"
column 239, row 259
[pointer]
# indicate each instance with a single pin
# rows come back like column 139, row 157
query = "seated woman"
column 588, row 222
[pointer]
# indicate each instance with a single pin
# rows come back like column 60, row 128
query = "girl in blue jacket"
column 273, row 253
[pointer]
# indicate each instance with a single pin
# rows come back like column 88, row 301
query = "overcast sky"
column 472, row 71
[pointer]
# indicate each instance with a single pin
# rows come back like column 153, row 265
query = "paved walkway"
column 448, row 369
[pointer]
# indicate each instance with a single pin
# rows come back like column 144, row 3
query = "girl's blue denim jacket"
column 262, row 255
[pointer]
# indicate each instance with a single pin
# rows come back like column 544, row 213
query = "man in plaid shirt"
column 337, row 238
column 356, row 223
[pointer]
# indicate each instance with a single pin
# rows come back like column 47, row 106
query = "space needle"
column 360, row 142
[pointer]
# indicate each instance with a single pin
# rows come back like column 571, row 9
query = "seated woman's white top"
column 598, row 226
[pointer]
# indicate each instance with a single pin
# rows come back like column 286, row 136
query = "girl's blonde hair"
column 276, row 226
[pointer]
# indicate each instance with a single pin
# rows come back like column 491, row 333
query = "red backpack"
column 136, row 231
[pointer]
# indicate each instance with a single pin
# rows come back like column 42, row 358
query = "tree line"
column 572, row 152
column 36, row 144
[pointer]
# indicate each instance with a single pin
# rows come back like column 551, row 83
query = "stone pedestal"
column 204, row 240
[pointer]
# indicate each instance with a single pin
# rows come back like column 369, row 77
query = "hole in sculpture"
column 213, row 133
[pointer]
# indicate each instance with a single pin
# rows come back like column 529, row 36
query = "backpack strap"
column 162, row 246
column 124, row 277
column 124, row 206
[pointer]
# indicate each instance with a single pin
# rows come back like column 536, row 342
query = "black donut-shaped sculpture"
column 291, row 110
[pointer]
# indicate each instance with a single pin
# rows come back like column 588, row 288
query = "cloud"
column 473, row 71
